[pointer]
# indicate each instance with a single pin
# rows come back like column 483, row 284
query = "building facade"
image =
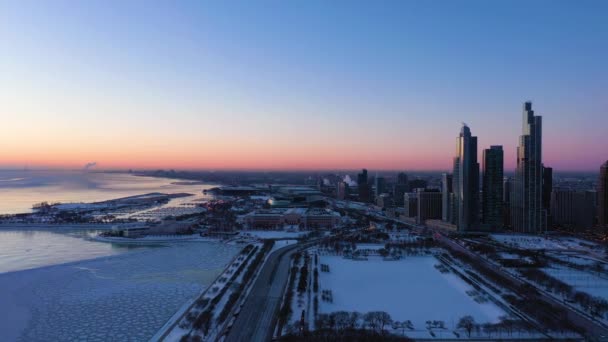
column 446, row 197
column 527, row 213
column 602, row 191
column 400, row 188
column 301, row 218
column 573, row 208
column 429, row 206
column 466, row 181
column 547, row 189
column 342, row 190
column 363, row 187
column 493, row 188
column 410, row 204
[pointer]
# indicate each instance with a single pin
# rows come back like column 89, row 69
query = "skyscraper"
column 401, row 187
column 573, row 208
column 429, row 205
column 506, row 199
column 602, row 190
column 492, row 211
column 363, row 186
column 342, row 190
column 466, row 181
column 547, row 189
column 528, row 215
column 379, row 185
column 446, row 192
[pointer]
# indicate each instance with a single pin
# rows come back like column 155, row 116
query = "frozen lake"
column 25, row 249
column 124, row 297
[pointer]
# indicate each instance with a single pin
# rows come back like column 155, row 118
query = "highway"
column 258, row 316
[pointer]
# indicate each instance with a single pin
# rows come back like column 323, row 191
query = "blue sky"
column 299, row 84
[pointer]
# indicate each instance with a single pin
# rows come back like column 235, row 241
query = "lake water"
column 29, row 248
column 19, row 190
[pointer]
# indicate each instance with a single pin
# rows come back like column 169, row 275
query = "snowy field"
column 118, row 298
column 408, row 289
column 539, row 242
column 526, row 241
column 272, row 234
column 581, row 281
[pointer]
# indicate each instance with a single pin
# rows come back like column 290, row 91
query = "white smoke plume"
column 90, row 165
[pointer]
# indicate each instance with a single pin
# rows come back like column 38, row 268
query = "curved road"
column 258, row 316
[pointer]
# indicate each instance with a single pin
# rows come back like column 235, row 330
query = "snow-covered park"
column 127, row 297
column 585, row 281
column 407, row 289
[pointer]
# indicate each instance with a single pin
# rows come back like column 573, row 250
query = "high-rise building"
column 527, row 213
column 492, row 202
column 446, row 194
column 363, row 186
column 547, row 189
column 466, row 181
column 573, row 208
column 429, row 205
column 602, row 191
column 400, row 188
column 506, row 199
column 380, row 183
column 342, row 190
column 410, row 200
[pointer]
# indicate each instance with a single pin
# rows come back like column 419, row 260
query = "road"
column 258, row 316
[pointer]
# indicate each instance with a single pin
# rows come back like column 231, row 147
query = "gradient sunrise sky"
column 298, row 84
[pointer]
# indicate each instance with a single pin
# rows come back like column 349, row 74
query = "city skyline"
column 194, row 86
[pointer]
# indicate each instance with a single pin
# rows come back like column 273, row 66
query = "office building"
column 547, row 189
column 429, row 206
column 602, row 191
column 506, row 201
column 400, row 188
column 573, row 209
column 446, row 197
column 493, row 191
column 410, row 200
column 342, row 190
column 363, row 187
column 379, row 187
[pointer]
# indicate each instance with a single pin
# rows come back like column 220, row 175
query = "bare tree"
column 467, row 323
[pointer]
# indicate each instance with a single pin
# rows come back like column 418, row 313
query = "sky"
column 298, row 84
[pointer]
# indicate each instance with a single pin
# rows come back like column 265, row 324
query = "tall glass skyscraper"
column 527, row 212
column 492, row 210
column 465, row 183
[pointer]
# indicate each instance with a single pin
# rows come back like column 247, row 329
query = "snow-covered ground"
column 272, row 234
column 560, row 243
column 526, row 241
column 407, row 289
column 584, row 281
column 118, row 298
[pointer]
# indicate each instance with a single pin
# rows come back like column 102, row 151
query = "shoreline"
column 20, row 290
column 59, row 226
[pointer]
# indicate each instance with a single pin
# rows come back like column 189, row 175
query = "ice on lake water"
column 120, row 298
